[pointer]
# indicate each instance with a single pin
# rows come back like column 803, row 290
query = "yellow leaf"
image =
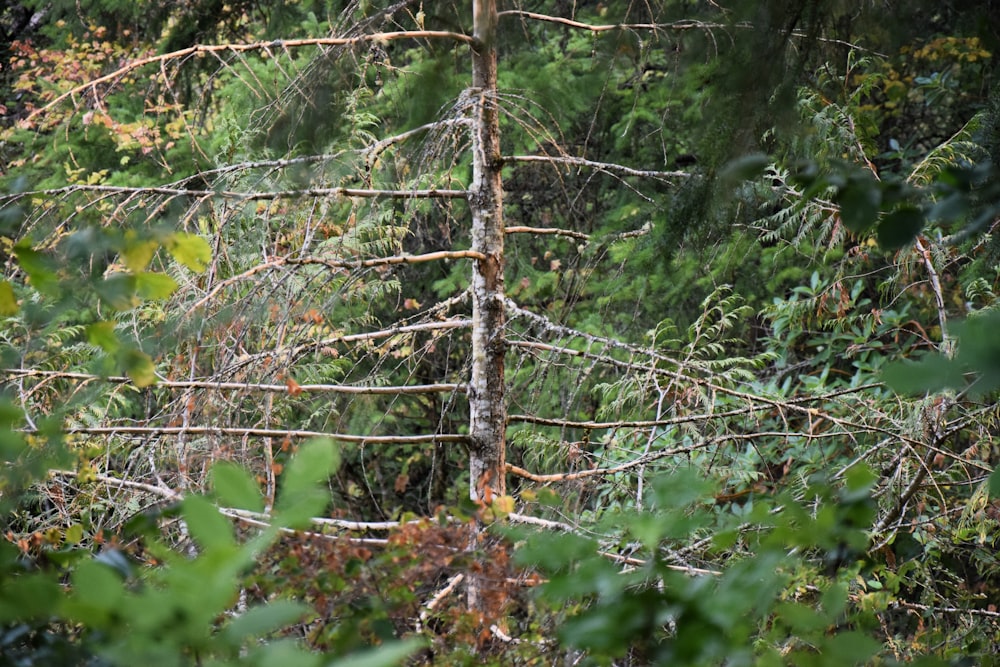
column 8, row 302
column 503, row 505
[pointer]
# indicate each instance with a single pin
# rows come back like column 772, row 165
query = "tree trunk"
column 486, row 394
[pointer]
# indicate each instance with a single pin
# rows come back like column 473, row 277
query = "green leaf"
column 40, row 268
column 118, row 291
column 117, row 561
column 234, row 487
column 745, row 168
column 155, row 285
column 900, row 227
column 74, row 534
column 851, row 648
column 950, row 208
column 102, row 334
column 28, row 597
column 137, row 254
column 190, row 250
column 286, row 653
column 266, row 619
column 859, row 202
column 207, row 526
column 994, row 483
column 139, row 367
column 388, row 655
column 97, row 591
column 304, row 493
column 8, row 302
column 932, row 373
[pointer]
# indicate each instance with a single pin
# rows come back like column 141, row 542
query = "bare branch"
column 298, row 350
column 676, row 25
column 547, row 230
column 200, row 50
column 387, row 261
column 146, row 431
column 341, row 524
column 597, row 472
column 161, row 491
column 947, row 345
column 599, row 166
column 432, row 193
column 436, row 600
column 542, row 523
column 945, row 610
column 247, row 386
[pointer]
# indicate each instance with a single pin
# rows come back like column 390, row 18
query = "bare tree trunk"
column 486, row 393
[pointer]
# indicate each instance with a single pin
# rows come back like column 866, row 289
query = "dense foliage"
column 747, row 297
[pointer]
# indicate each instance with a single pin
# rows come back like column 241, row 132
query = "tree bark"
column 486, row 392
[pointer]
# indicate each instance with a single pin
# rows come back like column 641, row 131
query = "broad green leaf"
column 900, row 227
column 139, row 367
column 155, row 285
column 932, row 373
column 304, row 493
column 74, row 534
column 859, row 203
column 102, row 334
column 266, row 619
column 41, row 269
column 137, row 254
column 8, row 302
column 97, row 591
column 745, row 168
column 28, row 597
column 190, row 250
column 117, row 561
column 389, row 655
column 118, row 291
column 234, row 487
column 950, row 208
column 286, row 653
column 207, row 526
column 994, row 483
column 851, row 648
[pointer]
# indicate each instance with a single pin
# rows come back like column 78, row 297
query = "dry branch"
column 675, row 25
column 297, row 350
column 432, row 193
column 547, row 230
column 160, row 491
column 200, row 50
column 597, row 472
column 388, row 261
column 245, row 386
column 146, row 431
column 599, row 166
